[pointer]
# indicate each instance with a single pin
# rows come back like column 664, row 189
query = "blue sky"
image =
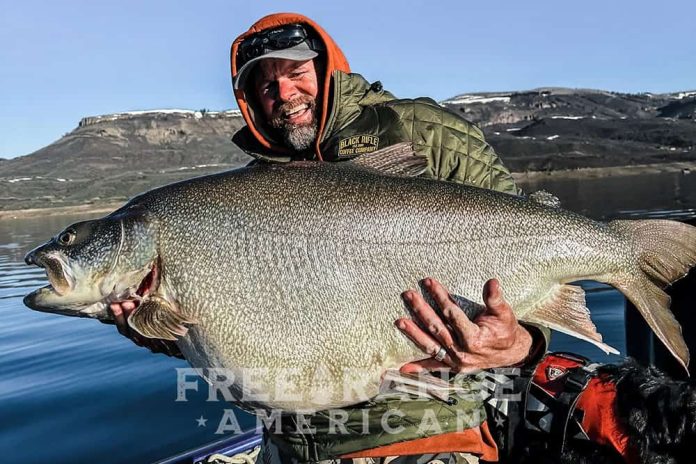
column 62, row 60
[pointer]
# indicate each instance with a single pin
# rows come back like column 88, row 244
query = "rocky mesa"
column 114, row 157
column 551, row 129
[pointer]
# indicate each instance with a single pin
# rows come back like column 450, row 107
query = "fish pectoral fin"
column 567, row 312
column 398, row 160
column 157, row 318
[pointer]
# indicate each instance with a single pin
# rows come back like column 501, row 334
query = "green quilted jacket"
column 364, row 118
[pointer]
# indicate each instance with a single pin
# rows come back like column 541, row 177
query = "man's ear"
column 320, row 69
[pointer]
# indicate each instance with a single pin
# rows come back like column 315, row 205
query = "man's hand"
column 493, row 339
column 121, row 312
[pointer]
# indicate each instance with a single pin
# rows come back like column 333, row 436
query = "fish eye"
column 67, row 237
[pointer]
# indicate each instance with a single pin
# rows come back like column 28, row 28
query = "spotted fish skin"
column 295, row 272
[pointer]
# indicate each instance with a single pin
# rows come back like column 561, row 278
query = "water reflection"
column 671, row 193
column 73, row 390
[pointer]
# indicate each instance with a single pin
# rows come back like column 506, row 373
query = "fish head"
column 91, row 264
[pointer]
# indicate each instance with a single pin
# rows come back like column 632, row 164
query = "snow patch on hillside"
column 471, row 99
column 198, row 166
column 177, row 111
column 24, row 179
column 174, row 111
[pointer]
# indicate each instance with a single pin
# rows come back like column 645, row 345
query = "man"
column 294, row 88
column 296, row 93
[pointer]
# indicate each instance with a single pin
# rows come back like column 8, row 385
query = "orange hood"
column 335, row 61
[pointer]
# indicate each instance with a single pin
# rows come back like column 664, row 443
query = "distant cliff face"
column 556, row 128
column 114, row 157
column 486, row 109
column 117, row 156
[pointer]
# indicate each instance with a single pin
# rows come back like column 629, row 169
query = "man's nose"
column 287, row 90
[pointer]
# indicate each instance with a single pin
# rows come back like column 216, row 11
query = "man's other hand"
column 492, row 339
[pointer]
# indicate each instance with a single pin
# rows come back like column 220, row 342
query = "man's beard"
column 299, row 137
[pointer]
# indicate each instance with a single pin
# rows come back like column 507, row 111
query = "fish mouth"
column 60, row 277
column 56, row 297
column 47, row 300
column 51, row 298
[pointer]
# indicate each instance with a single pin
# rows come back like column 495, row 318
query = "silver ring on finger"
column 440, row 355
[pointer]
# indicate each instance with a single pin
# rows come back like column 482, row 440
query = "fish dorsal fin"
column 397, row 160
column 545, row 198
column 565, row 311
column 157, row 318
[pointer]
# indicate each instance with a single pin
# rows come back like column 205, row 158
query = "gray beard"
column 300, row 138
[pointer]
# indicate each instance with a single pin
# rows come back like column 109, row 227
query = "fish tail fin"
column 665, row 251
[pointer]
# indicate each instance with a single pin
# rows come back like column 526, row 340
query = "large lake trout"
column 296, row 271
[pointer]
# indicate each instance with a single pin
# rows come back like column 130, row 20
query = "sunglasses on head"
column 275, row 39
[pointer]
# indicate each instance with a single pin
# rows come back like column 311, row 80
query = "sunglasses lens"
column 264, row 42
column 281, row 42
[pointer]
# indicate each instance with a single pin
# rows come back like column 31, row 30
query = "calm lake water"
column 75, row 391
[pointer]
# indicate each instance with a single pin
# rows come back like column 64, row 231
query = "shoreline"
column 606, row 171
column 60, row 210
column 520, row 177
